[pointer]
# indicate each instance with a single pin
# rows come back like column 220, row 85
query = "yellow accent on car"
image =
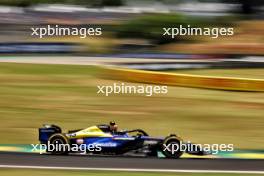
column 92, row 131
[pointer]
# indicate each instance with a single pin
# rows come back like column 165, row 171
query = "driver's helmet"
column 113, row 126
column 112, row 123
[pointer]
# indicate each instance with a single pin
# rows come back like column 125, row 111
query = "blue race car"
column 99, row 140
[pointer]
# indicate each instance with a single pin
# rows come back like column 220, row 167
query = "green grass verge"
column 31, row 95
column 40, row 172
column 240, row 73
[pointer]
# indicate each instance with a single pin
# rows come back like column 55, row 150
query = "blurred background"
column 33, row 94
column 132, row 26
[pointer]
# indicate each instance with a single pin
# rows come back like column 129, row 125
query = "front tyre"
column 171, row 147
column 58, row 144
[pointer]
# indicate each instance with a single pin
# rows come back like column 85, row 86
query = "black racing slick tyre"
column 58, row 144
column 171, row 147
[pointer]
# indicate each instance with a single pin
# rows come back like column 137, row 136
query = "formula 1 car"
column 132, row 142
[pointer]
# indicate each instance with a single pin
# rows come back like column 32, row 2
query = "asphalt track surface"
column 80, row 161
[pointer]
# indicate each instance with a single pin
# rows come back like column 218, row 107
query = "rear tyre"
column 58, row 144
column 171, row 147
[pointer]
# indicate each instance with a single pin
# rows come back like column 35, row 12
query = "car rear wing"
column 46, row 131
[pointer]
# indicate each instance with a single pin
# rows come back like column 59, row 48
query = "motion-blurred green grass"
column 31, row 95
column 41, row 172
